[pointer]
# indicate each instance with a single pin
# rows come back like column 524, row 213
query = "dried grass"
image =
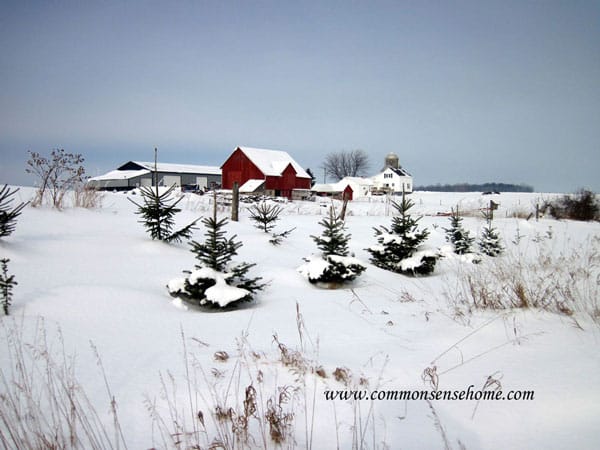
column 43, row 404
column 566, row 283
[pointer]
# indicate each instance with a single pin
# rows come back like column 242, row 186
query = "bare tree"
column 353, row 163
column 57, row 174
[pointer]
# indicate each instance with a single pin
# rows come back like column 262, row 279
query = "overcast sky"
column 462, row 91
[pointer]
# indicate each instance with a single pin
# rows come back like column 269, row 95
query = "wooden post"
column 235, row 202
column 215, row 205
column 493, row 206
column 344, row 205
column 537, row 212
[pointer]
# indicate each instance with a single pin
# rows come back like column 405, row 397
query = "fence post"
column 235, row 202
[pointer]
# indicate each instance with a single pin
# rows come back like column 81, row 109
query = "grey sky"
column 462, row 91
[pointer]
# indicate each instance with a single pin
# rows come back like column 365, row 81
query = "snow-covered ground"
column 98, row 278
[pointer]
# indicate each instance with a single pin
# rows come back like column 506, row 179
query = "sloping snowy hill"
column 97, row 277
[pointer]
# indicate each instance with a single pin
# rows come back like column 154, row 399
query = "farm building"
column 135, row 174
column 393, row 178
column 280, row 175
column 350, row 188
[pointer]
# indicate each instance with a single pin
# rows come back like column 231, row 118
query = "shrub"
column 56, row 175
column 581, row 206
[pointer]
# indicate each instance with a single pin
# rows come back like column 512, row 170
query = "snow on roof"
column 273, row 162
column 341, row 185
column 320, row 187
column 358, row 180
column 180, row 168
column 251, row 186
column 120, row 175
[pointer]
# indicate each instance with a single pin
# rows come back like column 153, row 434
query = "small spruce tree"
column 490, row 242
column 333, row 241
column 334, row 266
column 400, row 248
column 216, row 282
column 6, row 285
column 457, row 235
column 158, row 215
column 8, row 215
column 265, row 215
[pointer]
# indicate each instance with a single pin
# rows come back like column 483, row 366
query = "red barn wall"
column 347, row 194
column 239, row 168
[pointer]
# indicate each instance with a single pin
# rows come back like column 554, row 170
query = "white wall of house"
column 390, row 180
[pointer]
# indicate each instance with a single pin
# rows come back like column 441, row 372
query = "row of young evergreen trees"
column 215, row 281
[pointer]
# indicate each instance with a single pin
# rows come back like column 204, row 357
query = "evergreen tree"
column 457, row 235
column 313, row 179
column 265, row 215
column 6, row 285
column 158, row 214
column 333, row 241
column 399, row 248
column 8, row 216
column 490, row 243
column 214, row 270
column 336, row 266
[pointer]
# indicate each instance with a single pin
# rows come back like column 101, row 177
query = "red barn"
column 281, row 174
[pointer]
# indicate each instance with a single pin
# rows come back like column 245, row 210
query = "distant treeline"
column 467, row 187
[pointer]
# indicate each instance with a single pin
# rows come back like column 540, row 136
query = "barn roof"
column 272, row 162
column 120, row 175
column 177, row 168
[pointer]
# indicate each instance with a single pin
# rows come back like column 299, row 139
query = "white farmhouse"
column 393, row 178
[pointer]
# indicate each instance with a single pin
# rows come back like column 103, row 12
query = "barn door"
column 202, row 182
column 170, row 180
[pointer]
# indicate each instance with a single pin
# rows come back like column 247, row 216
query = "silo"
column 391, row 160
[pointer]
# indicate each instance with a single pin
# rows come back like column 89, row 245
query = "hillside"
column 92, row 279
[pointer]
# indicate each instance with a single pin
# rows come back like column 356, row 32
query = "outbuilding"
column 279, row 171
column 134, row 174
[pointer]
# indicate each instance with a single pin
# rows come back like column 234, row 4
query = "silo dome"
column 391, row 160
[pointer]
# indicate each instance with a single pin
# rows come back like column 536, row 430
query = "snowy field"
column 94, row 279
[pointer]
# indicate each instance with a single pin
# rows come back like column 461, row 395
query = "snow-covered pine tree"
column 400, row 248
column 490, row 242
column 215, row 282
column 457, row 235
column 334, row 265
column 6, row 285
column 333, row 241
column 158, row 214
column 8, row 215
